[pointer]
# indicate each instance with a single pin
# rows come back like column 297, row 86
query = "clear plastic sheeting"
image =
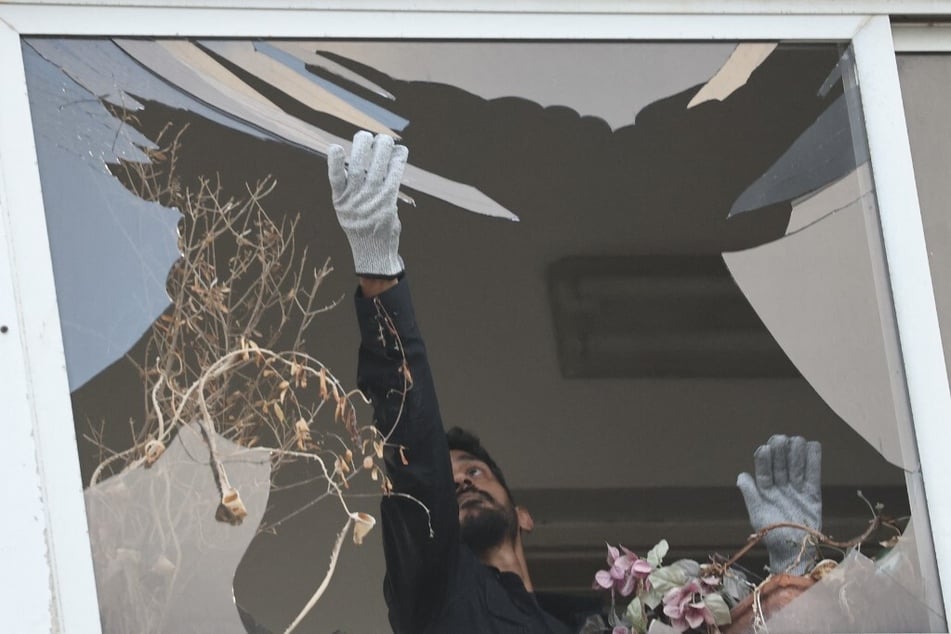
column 111, row 250
column 816, row 292
column 163, row 562
column 861, row 595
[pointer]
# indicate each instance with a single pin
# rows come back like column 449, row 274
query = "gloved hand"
column 364, row 195
column 787, row 488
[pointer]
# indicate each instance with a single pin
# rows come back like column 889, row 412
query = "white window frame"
column 49, row 583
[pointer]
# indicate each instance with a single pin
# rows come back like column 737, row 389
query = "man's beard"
column 488, row 528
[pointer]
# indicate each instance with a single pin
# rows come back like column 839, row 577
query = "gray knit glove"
column 787, row 488
column 364, row 191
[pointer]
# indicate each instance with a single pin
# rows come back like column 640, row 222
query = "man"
column 452, row 534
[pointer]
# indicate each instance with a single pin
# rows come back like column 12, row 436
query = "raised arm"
column 420, row 521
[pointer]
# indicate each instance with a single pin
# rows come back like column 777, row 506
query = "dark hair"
column 466, row 441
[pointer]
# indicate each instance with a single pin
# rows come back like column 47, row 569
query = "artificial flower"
column 685, row 606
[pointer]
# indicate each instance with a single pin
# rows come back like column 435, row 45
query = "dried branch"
column 338, row 543
column 229, row 353
column 874, row 524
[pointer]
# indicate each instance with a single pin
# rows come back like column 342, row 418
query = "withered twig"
column 820, row 537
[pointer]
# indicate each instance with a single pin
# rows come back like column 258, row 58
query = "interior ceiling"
column 622, row 169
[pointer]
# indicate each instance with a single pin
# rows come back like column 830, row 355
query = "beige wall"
column 926, row 87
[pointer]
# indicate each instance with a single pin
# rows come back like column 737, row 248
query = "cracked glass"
column 696, row 265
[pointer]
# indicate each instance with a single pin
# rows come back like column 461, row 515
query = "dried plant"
column 229, row 353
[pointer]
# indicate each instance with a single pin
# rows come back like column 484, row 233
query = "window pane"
column 697, row 266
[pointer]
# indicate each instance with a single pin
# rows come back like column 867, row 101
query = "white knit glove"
column 787, row 488
column 364, row 191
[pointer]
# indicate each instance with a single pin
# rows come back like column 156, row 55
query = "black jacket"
column 433, row 583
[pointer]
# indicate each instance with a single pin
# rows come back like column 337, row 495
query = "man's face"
column 486, row 514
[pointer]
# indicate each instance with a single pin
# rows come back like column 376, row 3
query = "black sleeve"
column 419, row 543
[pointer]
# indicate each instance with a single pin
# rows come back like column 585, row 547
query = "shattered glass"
column 188, row 66
column 734, row 73
column 609, row 154
column 826, row 151
column 163, row 561
column 825, row 316
column 90, row 212
column 296, row 55
column 576, row 76
column 831, row 313
column 832, row 198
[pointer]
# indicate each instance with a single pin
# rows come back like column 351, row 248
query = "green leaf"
column 612, row 618
column 653, row 598
column 689, row 567
column 657, row 553
column 719, row 608
column 667, row 578
column 635, row 615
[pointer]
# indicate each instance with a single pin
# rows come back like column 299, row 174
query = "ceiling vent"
column 657, row 316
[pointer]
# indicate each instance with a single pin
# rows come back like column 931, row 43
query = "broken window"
column 697, row 265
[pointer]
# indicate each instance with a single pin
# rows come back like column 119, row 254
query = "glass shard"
column 298, row 55
column 836, row 196
column 309, row 53
column 290, row 82
column 107, row 72
column 553, row 75
column 185, row 65
column 744, row 59
column 163, row 562
column 816, row 292
column 822, row 154
column 111, row 250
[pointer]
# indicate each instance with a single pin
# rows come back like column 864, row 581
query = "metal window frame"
column 45, row 541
